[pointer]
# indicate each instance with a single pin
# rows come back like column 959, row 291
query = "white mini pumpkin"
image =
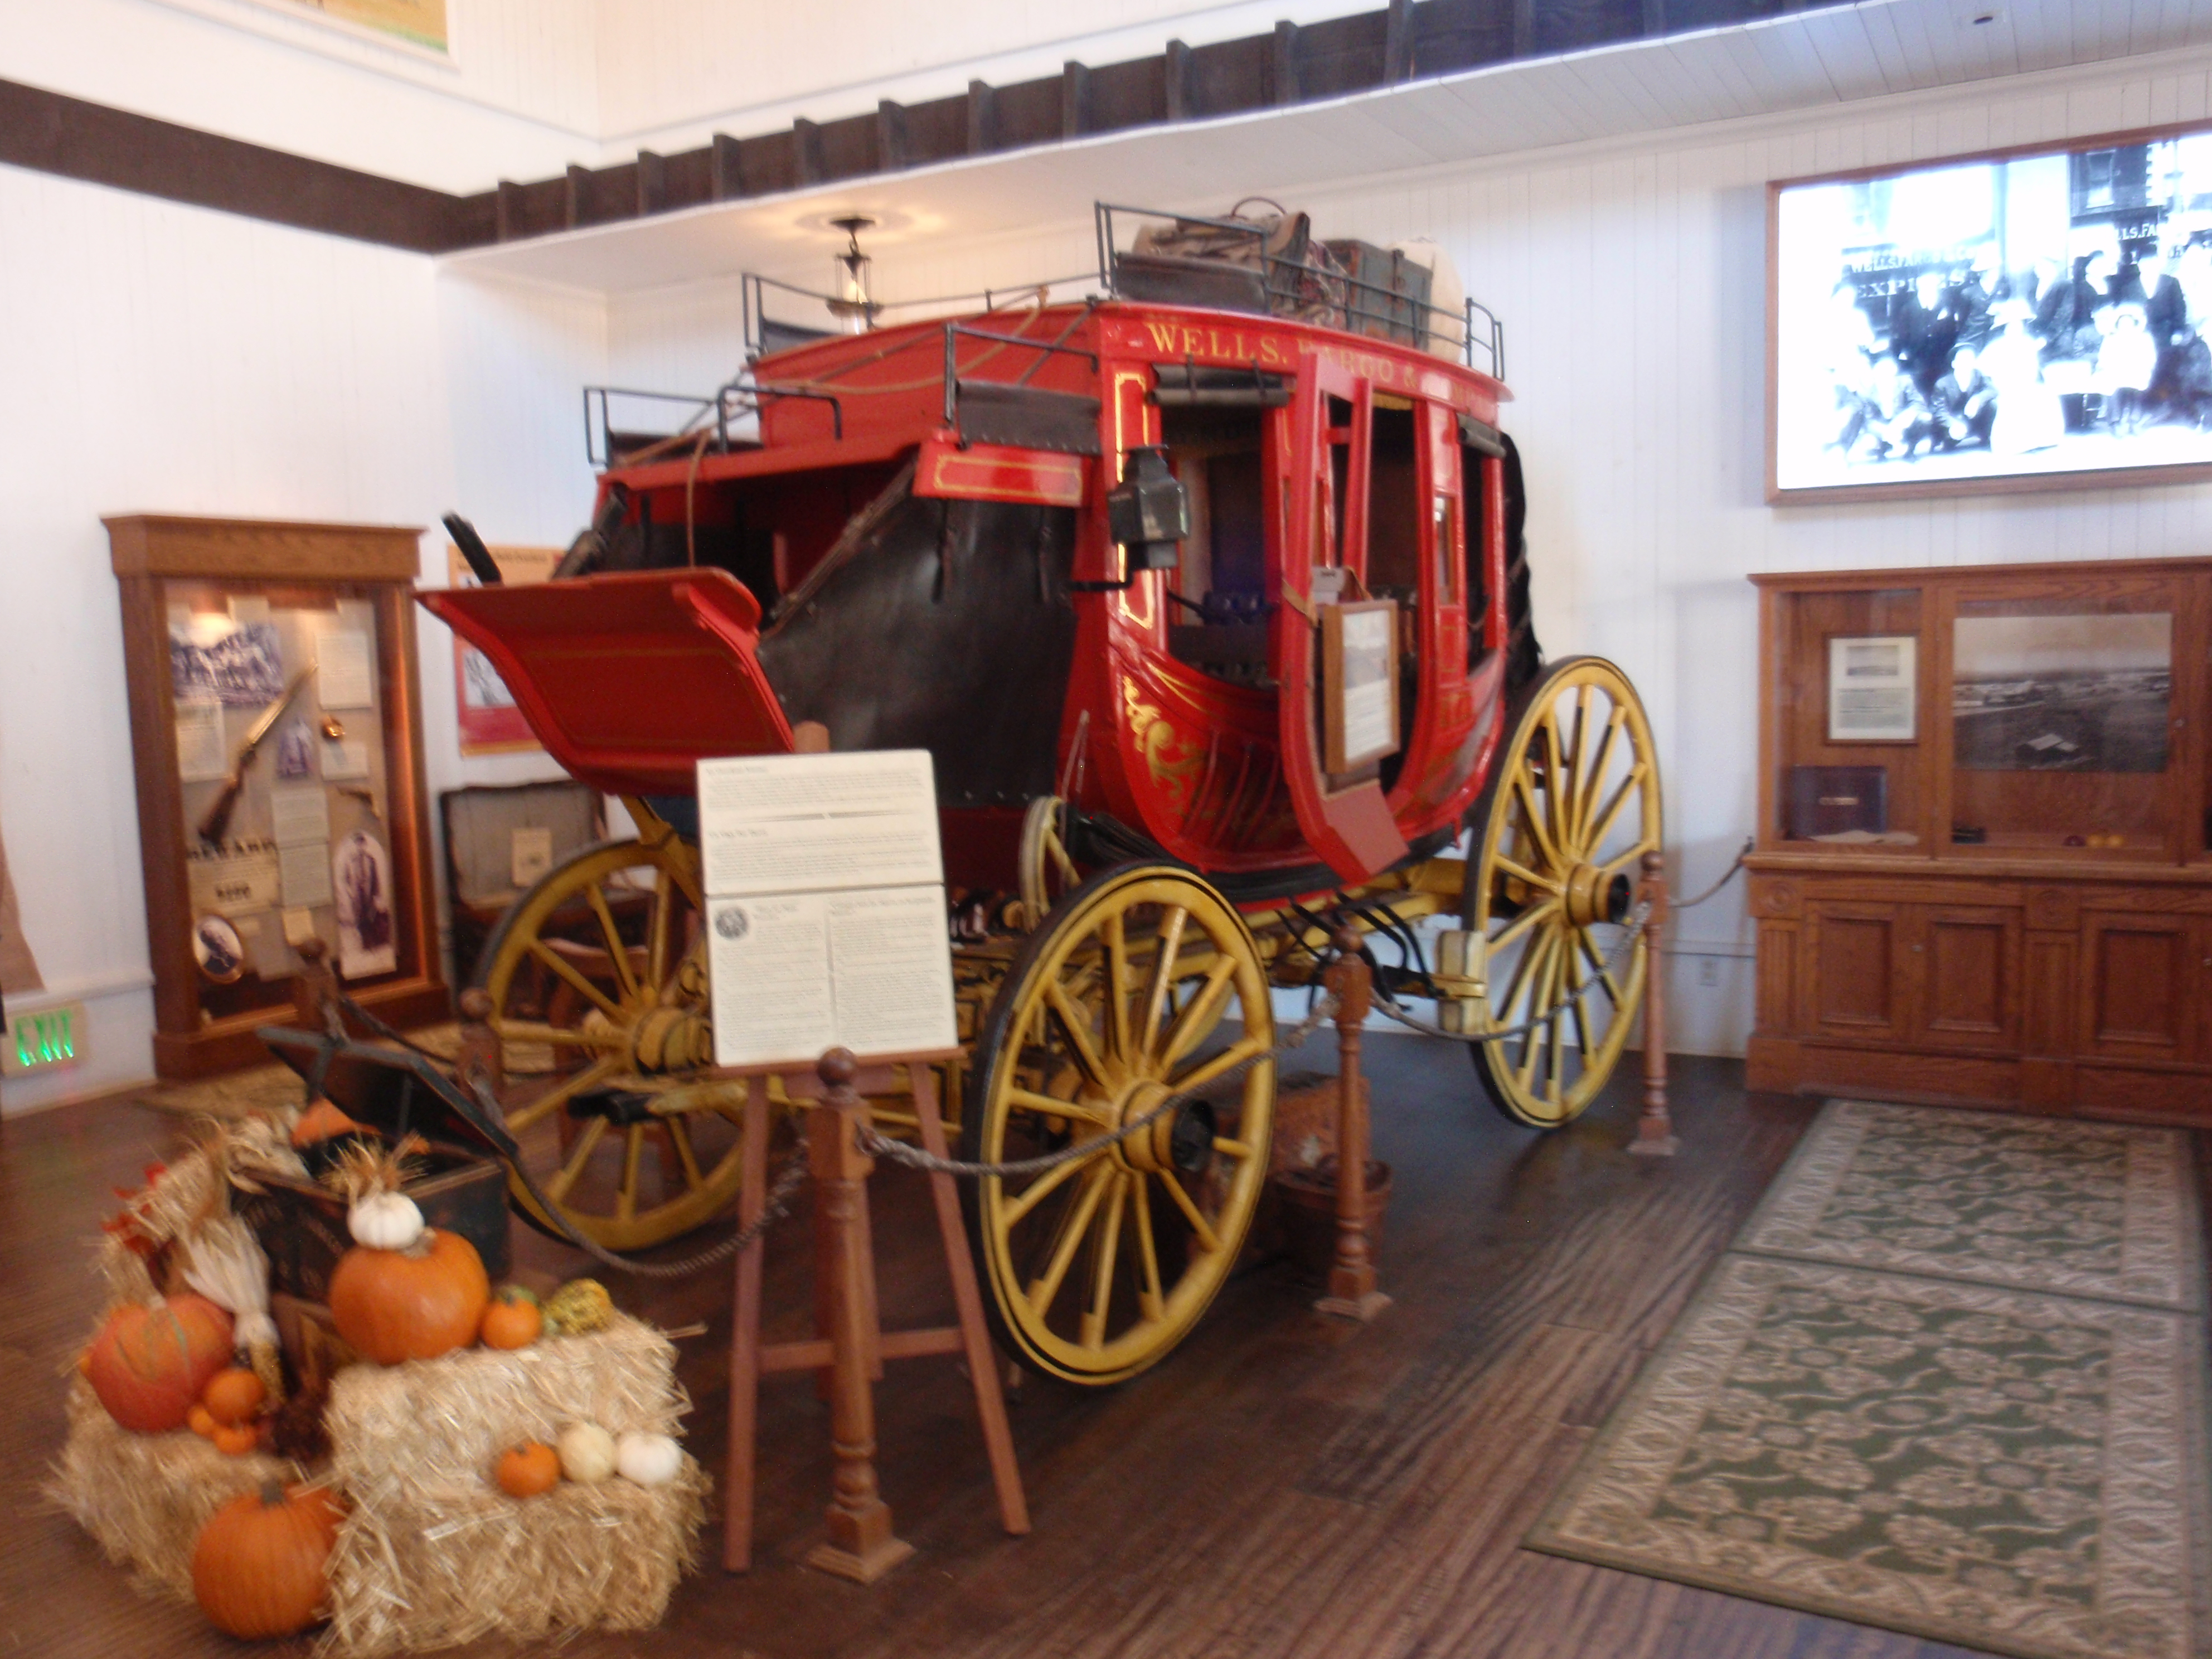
column 586, row 1452
column 385, row 1221
column 650, row 1459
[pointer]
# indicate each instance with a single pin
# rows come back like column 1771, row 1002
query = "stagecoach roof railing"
column 731, row 401
column 759, row 326
column 1281, row 275
column 955, row 332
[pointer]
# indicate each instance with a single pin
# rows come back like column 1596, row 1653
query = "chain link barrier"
column 876, row 1143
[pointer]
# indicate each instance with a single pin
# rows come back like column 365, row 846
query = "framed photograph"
column 1873, row 688
column 489, row 722
column 1359, row 683
column 2045, row 693
column 2032, row 318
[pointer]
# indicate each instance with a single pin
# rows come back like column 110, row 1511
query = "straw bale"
column 434, row 1422
column 452, row 1565
column 144, row 1498
column 434, row 1554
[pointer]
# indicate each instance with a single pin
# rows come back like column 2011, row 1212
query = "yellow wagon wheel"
column 1571, row 808
column 1048, row 873
column 597, row 982
column 1142, row 982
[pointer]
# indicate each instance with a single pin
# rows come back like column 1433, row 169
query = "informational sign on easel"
column 825, row 906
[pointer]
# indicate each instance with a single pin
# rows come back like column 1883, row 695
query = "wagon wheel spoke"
column 1523, row 872
column 1164, row 964
column 1056, row 850
column 687, row 1156
column 1229, row 1147
column 1539, row 948
column 1604, row 971
column 1110, row 1243
column 1556, row 799
column 1580, row 1006
column 1629, row 786
column 1217, row 1064
column 590, row 1077
column 1594, row 779
column 1116, row 934
column 563, row 1037
column 660, row 970
column 1200, row 1015
column 1041, row 1188
column 1534, row 821
column 1054, row 1106
column 1579, row 758
column 1077, row 1026
column 1149, row 1301
column 632, row 1156
column 565, row 1177
column 617, row 952
column 583, row 988
column 1634, row 854
column 1075, row 1228
column 1201, row 1229
column 1531, row 917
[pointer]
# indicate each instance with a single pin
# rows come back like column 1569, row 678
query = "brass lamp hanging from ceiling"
column 850, row 299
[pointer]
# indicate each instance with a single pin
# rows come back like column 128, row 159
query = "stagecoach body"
column 948, row 535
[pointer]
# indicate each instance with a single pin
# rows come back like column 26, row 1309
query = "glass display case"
column 1981, row 870
column 275, row 715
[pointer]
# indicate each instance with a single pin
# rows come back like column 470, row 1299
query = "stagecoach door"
column 1320, row 559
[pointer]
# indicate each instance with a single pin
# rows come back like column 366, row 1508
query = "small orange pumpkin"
column 148, row 1364
column 236, row 1439
column 201, row 1422
column 234, row 1396
column 512, row 1319
column 320, row 1121
column 526, row 1470
column 416, row 1303
column 259, row 1567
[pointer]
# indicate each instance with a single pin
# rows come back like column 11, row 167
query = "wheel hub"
column 1180, row 1139
column 1592, row 897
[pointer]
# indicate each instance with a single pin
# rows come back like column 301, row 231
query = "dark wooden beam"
column 1398, row 41
column 652, row 182
column 576, row 206
column 982, row 118
column 726, row 178
column 894, row 137
column 511, row 221
column 1074, row 100
column 1177, row 64
column 1286, row 62
column 807, row 166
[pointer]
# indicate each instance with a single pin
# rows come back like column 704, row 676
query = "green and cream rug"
column 1948, row 1380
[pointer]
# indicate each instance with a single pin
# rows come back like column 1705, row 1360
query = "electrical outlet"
column 1709, row 971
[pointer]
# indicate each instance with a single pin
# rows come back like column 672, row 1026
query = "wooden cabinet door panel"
column 1968, row 969
column 2140, row 972
column 1855, row 970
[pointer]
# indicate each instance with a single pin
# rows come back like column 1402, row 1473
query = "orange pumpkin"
column 258, row 1568
column 511, row 1319
column 320, row 1121
column 201, row 1422
column 236, row 1439
column 526, row 1470
column 233, row 1394
column 416, row 1303
column 148, row 1364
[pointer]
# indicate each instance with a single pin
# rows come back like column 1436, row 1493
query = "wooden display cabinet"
column 2010, row 903
column 327, row 830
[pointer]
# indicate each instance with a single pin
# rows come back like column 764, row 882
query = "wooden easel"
column 850, row 1345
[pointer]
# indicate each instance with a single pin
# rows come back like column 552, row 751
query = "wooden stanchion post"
column 1655, row 1129
column 1352, row 1292
column 860, row 1546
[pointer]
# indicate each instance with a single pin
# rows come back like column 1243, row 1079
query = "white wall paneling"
column 168, row 359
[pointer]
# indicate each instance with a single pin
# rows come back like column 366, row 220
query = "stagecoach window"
column 1471, row 480
column 1220, row 628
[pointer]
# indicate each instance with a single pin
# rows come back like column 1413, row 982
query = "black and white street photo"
column 2038, row 314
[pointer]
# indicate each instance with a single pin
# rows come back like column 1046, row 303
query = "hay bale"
column 434, row 1554
column 144, row 1498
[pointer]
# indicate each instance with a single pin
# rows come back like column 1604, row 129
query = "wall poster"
column 490, row 724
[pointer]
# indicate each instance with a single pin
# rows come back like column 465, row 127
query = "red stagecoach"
column 1205, row 593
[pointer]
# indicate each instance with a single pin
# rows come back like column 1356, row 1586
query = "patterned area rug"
column 260, row 1088
column 1926, row 1390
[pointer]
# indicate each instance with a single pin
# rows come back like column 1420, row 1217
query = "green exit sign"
column 44, row 1039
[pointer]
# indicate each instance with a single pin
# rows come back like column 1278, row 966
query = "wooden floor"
column 1283, row 1485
